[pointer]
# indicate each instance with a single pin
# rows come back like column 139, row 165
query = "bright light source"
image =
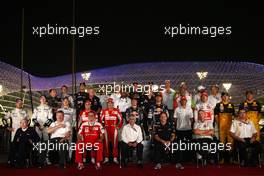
column 227, row 86
column 202, row 75
column 1, row 88
column 86, row 76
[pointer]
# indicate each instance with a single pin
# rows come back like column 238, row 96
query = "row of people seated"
column 242, row 131
column 92, row 132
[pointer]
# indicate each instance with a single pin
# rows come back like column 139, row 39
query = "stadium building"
column 235, row 77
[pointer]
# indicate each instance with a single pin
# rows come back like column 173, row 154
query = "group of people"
column 112, row 126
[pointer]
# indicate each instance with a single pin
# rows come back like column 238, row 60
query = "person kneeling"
column 23, row 142
column 60, row 133
column 131, row 139
column 244, row 133
column 90, row 137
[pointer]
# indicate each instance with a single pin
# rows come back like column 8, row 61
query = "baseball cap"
column 183, row 98
column 204, row 93
column 200, row 88
column 182, row 84
column 110, row 100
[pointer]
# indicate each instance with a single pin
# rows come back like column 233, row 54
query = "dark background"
column 128, row 34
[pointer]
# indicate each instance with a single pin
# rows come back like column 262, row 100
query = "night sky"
column 127, row 35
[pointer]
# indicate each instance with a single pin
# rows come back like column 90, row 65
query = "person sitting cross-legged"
column 131, row 139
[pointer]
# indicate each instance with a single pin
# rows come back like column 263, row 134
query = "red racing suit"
column 111, row 119
column 91, row 132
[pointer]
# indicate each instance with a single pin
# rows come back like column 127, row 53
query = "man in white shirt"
column 244, row 133
column 123, row 103
column 197, row 97
column 215, row 96
column 183, row 92
column 60, row 132
column 183, row 116
column 115, row 96
column 131, row 139
column 168, row 97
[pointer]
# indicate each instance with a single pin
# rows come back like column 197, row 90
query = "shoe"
column 48, row 161
column 242, row 164
column 106, row 160
column 124, row 163
column 27, row 163
column 205, row 162
column 62, row 166
column 179, row 166
column 84, row 160
column 115, row 161
column 93, row 160
column 80, row 166
column 140, row 164
column 98, row 166
column 158, row 166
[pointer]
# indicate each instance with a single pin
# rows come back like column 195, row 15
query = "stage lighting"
column 227, row 86
column 86, row 76
column 202, row 75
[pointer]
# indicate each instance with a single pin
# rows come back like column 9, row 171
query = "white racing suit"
column 16, row 115
column 207, row 108
column 42, row 118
